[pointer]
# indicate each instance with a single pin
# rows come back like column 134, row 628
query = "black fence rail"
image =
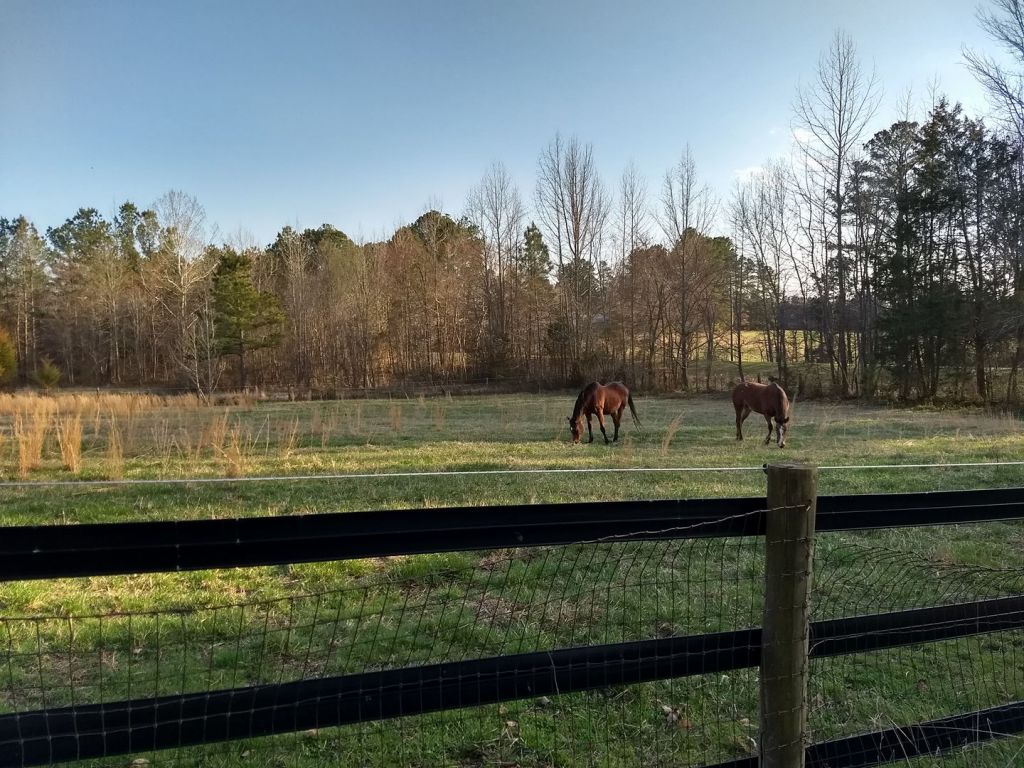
column 57, row 551
column 122, row 726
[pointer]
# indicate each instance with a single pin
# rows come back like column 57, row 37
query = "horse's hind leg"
column 617, row 419
column 590, row 428
column 742, row 412
column 769, row 438
column 600, row 421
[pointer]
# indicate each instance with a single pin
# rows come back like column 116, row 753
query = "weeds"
column 88, row 406
column 115, row 451
column 30, row 435
column 214, row 435
column 356, row 422
column 235, row 452
column 291, row 440
column 69, row 440
column 670, row 433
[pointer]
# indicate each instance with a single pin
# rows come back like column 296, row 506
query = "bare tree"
column 180, row 282
column 688, row 210
column 1004, row 23
column 632, row 233
column 832, row 113
column 762, row 213
column 573, row 208
column 496, row 208
column 685, row 202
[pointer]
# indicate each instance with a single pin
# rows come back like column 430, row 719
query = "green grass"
column 206, row 630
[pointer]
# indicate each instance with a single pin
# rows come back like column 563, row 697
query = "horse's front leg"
column 600, row 421
column 741, row 415
column 768, row 439
column 590, row 428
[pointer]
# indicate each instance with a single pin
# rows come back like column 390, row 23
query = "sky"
column 364, row 114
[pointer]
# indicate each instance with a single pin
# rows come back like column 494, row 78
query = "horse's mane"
column 581, row 399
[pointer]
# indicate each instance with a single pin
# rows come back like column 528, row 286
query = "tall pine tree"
column 245, row 319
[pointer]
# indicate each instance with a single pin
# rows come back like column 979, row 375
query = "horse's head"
column 575, row 428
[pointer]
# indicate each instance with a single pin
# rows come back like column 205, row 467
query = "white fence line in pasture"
column 477, row 472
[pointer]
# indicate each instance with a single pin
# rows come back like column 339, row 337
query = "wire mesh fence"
column 412, row 612
column 613, row 652
column 928, row 680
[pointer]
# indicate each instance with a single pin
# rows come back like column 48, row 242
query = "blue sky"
column 362, row 114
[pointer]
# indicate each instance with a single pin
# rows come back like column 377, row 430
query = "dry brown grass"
column 235, row 453
column 237, row 399
column 670, row 433
column 89, row 406
column 239, row 447
column 395, row 415
column 440, row 417
column 355, row 422
column 69, row 440
column 115, row 451
column 30, row 435
column 214, row 434
column 290, row 441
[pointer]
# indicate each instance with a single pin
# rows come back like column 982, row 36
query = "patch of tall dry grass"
column 356, row 421
column 69, row 440
column 290, row 440
column 670, row 433
column 328, row 428
column 30, row 436
column 115, row 451
column 234, row 453
column 91, row 406
column 239, row 447
column 214, row 434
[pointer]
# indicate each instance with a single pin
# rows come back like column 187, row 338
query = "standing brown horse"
column 767, row 399
column 597, row 399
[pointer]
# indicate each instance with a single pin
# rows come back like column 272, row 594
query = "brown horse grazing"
column 767, row 399
column 598, row 399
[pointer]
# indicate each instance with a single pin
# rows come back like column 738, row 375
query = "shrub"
column 47, row 375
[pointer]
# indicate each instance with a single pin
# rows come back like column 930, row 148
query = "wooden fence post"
column 789, row 555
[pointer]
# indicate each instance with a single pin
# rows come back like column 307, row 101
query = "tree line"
column 866, row 265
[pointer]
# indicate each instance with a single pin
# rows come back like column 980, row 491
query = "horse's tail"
column 632, row 410
column 784, row 406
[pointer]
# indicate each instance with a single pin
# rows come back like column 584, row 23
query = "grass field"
column 207, row 630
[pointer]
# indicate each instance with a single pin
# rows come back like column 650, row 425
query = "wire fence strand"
column 445, row 473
